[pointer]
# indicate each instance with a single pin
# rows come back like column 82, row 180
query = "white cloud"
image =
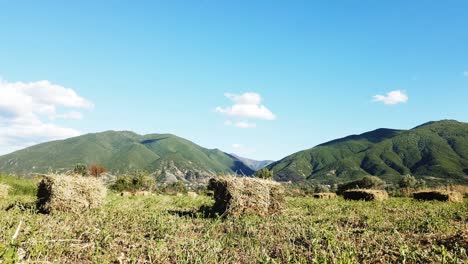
column 236, row 146
column 27, row 109
column 392, row 98
column 69, row 115
column 465, row 74
column 247, row 105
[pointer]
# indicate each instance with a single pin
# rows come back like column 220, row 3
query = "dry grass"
column 235, row 196
column 142, row 193
column 4, row 190
column 463, row 189
column 192, row 194
column 324, row 195
column 365, row 195
column 137, row 193
column 436, row 195
column 125, row 193
column 69, row 194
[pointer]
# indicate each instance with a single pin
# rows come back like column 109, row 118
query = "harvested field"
column 168, row 229
column 324, row 195
column 69, row 194
column 445, row 196
column 365, row 195
column 235, row 196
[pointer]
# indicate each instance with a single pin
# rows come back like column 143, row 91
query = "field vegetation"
column 166, row 228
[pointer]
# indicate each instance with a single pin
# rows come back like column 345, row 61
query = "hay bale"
column 192, row 194
column 126, row 194
column 235, row 196
column 142, row 193
column 69, row 194
column 444, row 196
column 324, row 195
column 4, row 190
column 365, row 195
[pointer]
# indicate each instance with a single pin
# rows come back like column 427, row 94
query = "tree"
column 409, row 181
column 136, row 180
column 96, row 170
column 264, row 174
column 80, row 169
column 321, row 188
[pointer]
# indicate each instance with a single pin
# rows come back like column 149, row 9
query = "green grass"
column 168, row 229
column 19, row 185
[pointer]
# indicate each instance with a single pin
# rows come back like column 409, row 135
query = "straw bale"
column 366, row 195
column 69, row 194
column 235, row 196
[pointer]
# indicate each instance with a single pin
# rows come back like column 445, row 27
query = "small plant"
column 96, row 170
column 265, row 174
column 80, row 169
column 409, row 181
column 137, row 180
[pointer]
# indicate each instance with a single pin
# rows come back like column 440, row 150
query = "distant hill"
column 253, row 164
column 435, row 151
column 167, row 156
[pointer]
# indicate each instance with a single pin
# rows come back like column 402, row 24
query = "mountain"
column 435, row 151
column 253, row 164
column 167, row 156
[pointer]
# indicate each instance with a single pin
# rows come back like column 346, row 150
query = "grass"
column 169, row 229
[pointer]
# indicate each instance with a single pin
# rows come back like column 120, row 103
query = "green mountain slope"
column 435, row 151
column 166, row 155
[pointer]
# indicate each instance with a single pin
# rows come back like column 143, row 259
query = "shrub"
column 265, row 174
column 307, row 188
column 321, row 189
column 409, row 181
column 80, row 169
column 138, row 180
column 96, row 170
column 367, row 182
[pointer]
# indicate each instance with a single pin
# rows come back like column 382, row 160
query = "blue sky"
column 314, row 67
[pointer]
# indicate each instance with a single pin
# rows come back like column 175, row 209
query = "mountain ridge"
column 253, row 164
column 436, row 151
column 120, row 151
